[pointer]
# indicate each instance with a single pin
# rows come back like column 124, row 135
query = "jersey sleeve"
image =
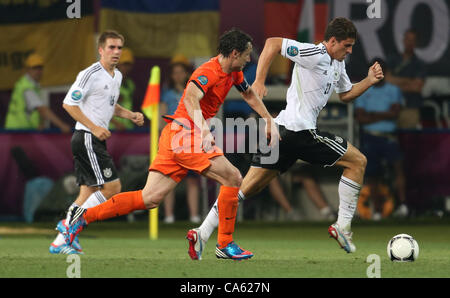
column 79, row 90
column 203, row 79
column 343, row 84
column 240, row 82
column 306, row 54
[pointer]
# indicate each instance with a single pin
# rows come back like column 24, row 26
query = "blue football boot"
column 63, row 229
column 232, row 251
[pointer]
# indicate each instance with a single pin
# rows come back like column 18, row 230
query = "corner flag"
column 150, row 108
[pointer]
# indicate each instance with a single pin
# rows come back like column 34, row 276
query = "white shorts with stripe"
column 93, row 164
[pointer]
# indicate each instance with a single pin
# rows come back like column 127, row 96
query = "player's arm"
column 255, row 102
column 136, row 117
column 374, row 75
column 75, row 112
column 191, row 100
column 271, row 49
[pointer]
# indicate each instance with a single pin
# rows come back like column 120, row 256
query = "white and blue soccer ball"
column 403, row 248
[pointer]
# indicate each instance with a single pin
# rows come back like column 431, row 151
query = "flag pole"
column 150, row 108
column 154, row 132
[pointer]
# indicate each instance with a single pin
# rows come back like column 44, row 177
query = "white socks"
column 212, row 219
column 94, row 199
column 348, row 198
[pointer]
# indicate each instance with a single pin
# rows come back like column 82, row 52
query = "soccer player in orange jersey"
column 186, row 143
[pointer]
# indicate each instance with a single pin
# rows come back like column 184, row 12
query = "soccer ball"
column 403, row 248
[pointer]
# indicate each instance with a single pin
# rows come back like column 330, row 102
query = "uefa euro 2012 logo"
column 74, row 9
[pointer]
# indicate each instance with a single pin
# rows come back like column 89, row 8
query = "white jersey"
column 313, row 77
column 96, row 92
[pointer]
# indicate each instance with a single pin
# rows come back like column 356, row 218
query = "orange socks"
column 119, row 204
column 227, row 204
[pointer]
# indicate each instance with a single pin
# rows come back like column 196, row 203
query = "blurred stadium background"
column 34, row 181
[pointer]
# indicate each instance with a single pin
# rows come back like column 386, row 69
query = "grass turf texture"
column 121, row 249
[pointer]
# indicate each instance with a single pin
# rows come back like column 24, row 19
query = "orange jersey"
column 215, row 85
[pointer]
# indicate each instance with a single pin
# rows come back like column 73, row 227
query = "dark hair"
column 171, row 83
column 109, row 34
column 341, row 29
column 233, row 39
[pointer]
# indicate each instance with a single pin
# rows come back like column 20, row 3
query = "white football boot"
column 344, row 238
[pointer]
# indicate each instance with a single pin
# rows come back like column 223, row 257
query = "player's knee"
column 152, row 199
column 363, row 161
column 234, row 179
column 112, row 188
column 360, row 162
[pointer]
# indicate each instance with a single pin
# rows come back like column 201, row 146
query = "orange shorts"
column 179, row 151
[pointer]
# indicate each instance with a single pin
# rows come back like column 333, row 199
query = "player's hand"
column 208, row 141
column 101, row 133
column 272, row 133
column 260, row 89
column 375, row 73
column 138, row 118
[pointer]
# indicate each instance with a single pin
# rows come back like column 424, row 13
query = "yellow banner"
column 67, row 47
column 194, row 34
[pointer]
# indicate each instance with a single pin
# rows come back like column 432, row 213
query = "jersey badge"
column 203, row 80
column 292, row 51
column 76, row 95
column 336, row 75
column 107, row 172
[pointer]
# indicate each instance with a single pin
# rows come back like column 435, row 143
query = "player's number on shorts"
column 327, row 89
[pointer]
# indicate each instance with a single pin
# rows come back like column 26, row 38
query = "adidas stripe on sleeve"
column 306, row 54
column 80, row 89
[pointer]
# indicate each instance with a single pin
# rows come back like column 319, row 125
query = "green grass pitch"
column 290, row 250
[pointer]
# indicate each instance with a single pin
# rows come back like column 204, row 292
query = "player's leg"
column 255, row 180
column 222, row 171
column 258, row 177
column 97, row 176
column 155, row 190
column 192, row 196
column 169, row 203
column 59, row 245
column 101, row 194
column 354, row 164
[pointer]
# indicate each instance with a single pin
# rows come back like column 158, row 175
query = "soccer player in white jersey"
column 318, row 69
column 92, row 102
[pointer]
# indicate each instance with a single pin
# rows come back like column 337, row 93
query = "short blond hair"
column 109, row 34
